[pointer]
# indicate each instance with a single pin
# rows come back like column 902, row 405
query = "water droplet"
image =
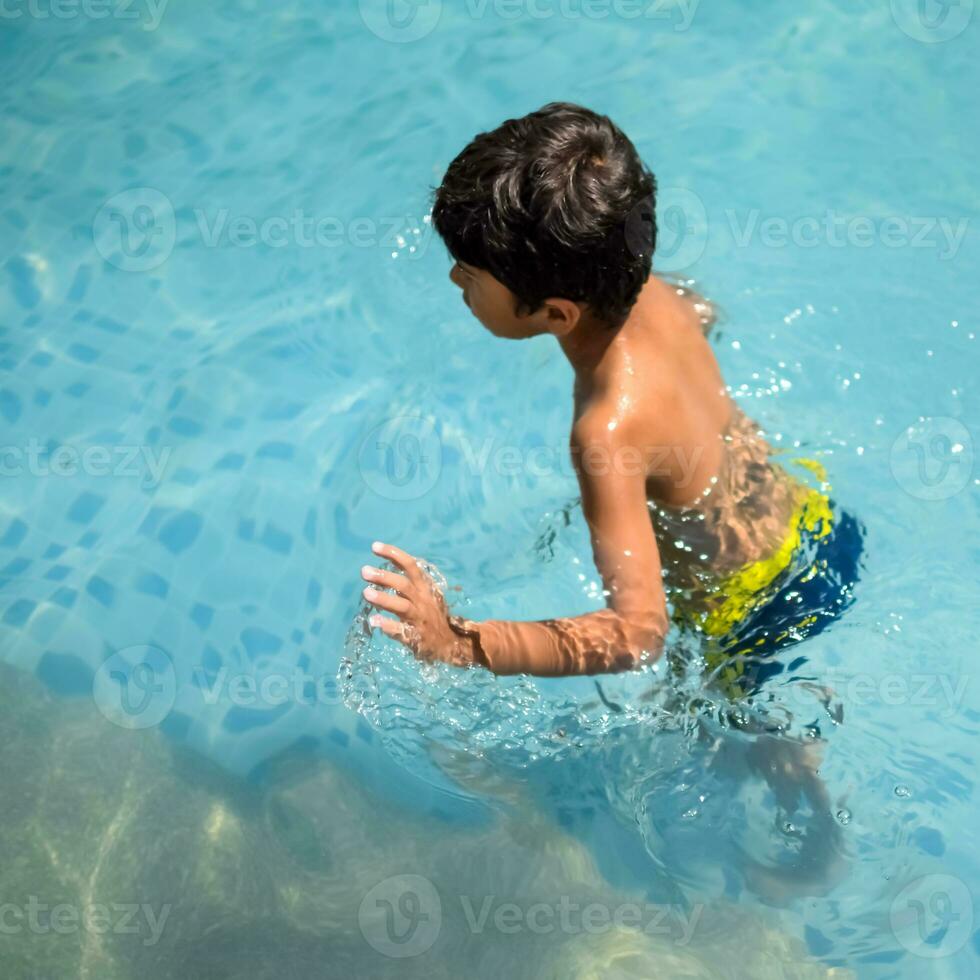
column 903, row 792
column 844, row 817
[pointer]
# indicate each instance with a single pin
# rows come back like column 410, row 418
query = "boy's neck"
column 589, row 346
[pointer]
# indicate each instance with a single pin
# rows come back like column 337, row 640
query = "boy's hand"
column 423, row 617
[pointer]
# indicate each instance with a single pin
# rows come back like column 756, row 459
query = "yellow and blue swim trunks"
column 795, row 593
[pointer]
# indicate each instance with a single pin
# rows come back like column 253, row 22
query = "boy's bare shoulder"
column 634, row 412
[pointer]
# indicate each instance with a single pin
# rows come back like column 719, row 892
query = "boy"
column 550, row 220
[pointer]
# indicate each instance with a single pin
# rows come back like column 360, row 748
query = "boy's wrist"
column 468, row 632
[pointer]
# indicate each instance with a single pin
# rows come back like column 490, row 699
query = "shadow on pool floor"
column 166, row 867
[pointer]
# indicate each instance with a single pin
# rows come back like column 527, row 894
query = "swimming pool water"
column 231, row 359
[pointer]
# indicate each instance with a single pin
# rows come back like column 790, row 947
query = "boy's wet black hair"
column 554, row 204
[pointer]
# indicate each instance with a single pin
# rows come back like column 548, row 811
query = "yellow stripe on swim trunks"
column 741, row 592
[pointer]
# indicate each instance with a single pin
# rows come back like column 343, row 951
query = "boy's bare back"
column 716, row 498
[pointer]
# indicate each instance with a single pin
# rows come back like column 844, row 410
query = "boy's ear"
column 562, row 315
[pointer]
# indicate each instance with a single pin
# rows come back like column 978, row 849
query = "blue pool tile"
column 110, row 325
column 180, row 531
column 309, row 527
column 276, row 540
column 149, row 583
column 929, row 840
column 202, row 615
column 239, row 719
column 176, row 397
column 83, row 353
column 152, row 520
column 275, row 450
column 230, row 461
column 258, row 641
column 85, row 506
column 100, row 590
column 23, row 286
column 65, row 674
column 339, row 736
column 10, row 405
column 18, row 612
column 817, row 942
column 65, row 597
column 15, row 533
column 79, row 285
column 184, row 426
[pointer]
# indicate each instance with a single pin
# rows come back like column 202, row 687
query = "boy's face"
column 493, row 304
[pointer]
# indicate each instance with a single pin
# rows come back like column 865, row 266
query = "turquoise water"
column 232, row 359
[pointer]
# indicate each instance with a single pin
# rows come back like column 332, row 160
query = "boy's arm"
column 625, row 550
column 612, row 482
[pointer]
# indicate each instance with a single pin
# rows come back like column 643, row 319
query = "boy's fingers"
column 388, row 580
column 401, row 558
column 396, row 630
column 385, row 600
